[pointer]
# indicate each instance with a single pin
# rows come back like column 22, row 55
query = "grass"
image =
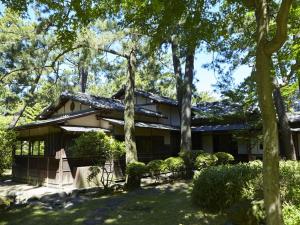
column 162, row 205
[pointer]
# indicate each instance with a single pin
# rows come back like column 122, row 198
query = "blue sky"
column 207, row 78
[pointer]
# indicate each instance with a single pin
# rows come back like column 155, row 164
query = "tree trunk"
column 129, row 129
column 285, row 134
column 177, row 73
column 270, row 132
column 186, row 111
column 83, row 73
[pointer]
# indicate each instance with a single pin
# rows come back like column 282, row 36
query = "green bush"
column 195, row 153
column 101, row 148
column 204, row 160
column 231, row 187
column 290, row 182
column 175, row 165
column 291, row 214
column 218, row 188
column 155, row 167
column 224, row 158
column 134, row 172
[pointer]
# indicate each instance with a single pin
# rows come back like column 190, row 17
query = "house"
column 43, row 156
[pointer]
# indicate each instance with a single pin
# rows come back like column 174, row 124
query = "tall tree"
column 264, row 50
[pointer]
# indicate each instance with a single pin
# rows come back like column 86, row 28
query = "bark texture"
column 285, row 134
column 177, row 72
column 83, row 73
column 129, row 129
column 264, row 80
column 186, row 112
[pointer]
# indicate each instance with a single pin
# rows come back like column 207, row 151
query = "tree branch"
column 111, row 51
column 281, row 28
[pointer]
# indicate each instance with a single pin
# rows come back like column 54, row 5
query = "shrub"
column 195, row 154
column 136, row 169
column 291, row 214
column 102, row 148
column 174, row 165
column 239, row 187
column 224, row 158
column 204, row 160
column 218, row 188
column 290, row 182
column 155, row 167
column 134, row 172
column 247, row 213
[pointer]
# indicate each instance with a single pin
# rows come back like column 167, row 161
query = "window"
column 35, row 147
column 25, row 148
column 18, row 148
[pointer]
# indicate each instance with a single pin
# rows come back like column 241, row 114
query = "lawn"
column 163, row 204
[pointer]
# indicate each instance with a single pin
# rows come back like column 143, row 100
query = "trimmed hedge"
column 224, row 158
column 134, row 172
column 155, row 168
column 174, row 165
column 205, row 160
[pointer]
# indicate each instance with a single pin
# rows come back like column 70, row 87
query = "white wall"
column 66, row 108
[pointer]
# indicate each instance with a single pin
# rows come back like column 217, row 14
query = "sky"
column 207, row 78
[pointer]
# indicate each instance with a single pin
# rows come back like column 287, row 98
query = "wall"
column 207, row 142
column 66, row 108
column 171, row 112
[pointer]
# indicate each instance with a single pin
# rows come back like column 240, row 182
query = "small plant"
column 205, row 160
column 175, row 165
column 224, row 158
column 134, row 173
column 155, row 167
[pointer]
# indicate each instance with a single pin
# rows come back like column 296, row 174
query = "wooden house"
column 43, row 156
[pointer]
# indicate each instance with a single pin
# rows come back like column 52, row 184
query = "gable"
column 69, row 106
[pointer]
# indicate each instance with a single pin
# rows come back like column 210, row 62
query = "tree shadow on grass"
column 166, row 204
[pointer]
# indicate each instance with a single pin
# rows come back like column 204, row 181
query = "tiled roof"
column 143, row 124
column 223, row 127
column 57, row 120
column 95, row 102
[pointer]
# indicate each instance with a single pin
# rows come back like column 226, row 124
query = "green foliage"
column 4, row 203
column 290, row 182
column 7, row 142
column 102, row 148
column 98, row 145
column 291, row 214
column 247, row 213
column 218, row 188
column 205, row 160
column 175, row 165
column 155, row 167
column 135, row 171
column 238, row 190
column 224, row 158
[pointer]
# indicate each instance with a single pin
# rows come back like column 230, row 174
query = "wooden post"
column 47, row 179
